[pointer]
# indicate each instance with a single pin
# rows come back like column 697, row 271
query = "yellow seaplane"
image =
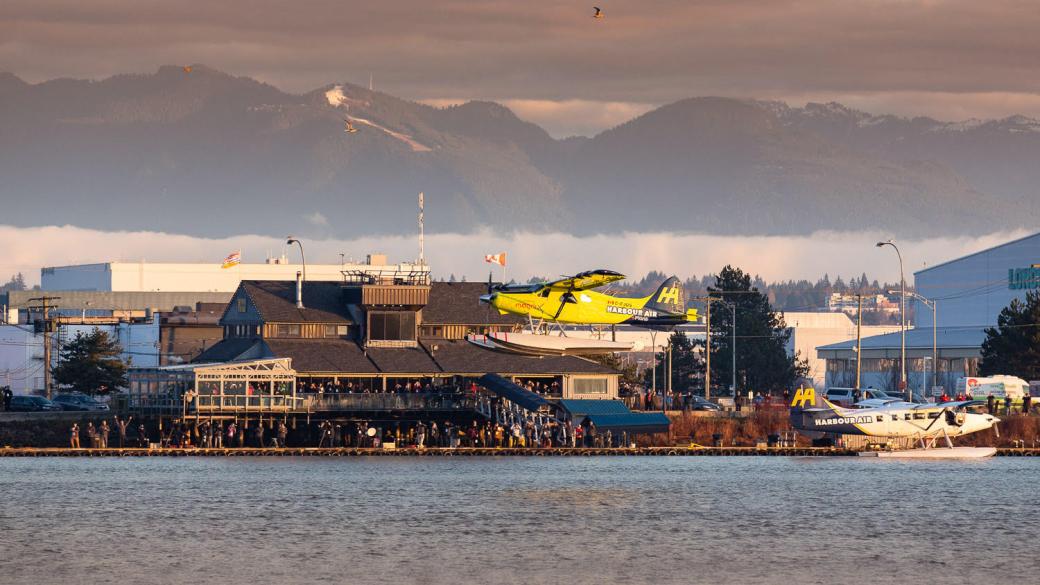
column 572, row 301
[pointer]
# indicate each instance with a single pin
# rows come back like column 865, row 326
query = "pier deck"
column 458, row 452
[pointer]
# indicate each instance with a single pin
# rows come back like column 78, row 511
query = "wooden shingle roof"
column 458, row 303
column 275, row 300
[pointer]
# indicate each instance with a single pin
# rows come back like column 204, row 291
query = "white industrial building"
column 811, row 330
column 22, row 355
column 969, row 293
column 197, row 277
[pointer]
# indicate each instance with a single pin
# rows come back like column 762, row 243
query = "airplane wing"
column 586, row 280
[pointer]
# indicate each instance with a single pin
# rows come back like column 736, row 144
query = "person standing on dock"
column 121, row 426
column 91, row 435
column 142, row 436
column 103, row 430
column 281, row 435
column 74, row 436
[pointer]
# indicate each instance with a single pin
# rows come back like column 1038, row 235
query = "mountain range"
column 206, row 153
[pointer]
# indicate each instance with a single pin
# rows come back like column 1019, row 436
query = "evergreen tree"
column 762, row 361
column 686, row 365
column 90, row 364
column 1013, row 346
column 16, row 283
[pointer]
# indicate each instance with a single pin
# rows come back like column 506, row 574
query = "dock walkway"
column 459, row 452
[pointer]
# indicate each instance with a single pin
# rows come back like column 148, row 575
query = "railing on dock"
column 434, row 401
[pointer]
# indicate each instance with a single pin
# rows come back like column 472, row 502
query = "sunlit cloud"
column 635, row 254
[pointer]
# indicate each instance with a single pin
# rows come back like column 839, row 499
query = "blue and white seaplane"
column 926, row 424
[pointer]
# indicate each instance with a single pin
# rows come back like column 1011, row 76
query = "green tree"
column 1013, row 346
column 629, row 374
column 16, row 283
column 686, row 365
column 90, row 364
column 762, row 361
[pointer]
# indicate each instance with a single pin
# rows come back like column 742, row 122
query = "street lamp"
column 932, row 304
column 290, row 241
column 902, row 321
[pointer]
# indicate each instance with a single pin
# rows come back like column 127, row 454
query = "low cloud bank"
column 26, row 250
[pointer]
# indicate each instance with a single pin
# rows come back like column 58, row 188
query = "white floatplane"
column 924, row 423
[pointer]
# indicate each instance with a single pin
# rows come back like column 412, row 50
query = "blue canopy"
column 510, row 391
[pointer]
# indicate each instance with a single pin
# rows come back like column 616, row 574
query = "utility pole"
column 707, row 350
column 733, row 307
column 669, row 392
column 46, row 341
column 859, row 339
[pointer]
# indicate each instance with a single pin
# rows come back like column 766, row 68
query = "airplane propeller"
column 563, row 300
column 942, row 413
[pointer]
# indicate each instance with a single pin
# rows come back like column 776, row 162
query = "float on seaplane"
column 572, row 301
column 925, row 423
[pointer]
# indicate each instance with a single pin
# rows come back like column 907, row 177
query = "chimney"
column 299, row 290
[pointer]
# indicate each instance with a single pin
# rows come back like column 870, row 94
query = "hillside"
column 208, row 153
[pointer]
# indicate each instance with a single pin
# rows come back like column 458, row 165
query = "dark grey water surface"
column 518, row 520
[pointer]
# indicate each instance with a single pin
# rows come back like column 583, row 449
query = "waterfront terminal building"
column 380, row 346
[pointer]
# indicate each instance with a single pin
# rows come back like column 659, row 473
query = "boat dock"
column 694, row 451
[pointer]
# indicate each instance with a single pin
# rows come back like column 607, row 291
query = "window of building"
column 335, row 331
column 287, row 330
column 241, row 305
column 590, row 386
column 391, row 326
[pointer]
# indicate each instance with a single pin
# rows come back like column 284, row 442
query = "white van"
column 997, row 386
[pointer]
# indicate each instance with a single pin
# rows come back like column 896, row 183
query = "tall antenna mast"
column 422, row 237
column 369, row 82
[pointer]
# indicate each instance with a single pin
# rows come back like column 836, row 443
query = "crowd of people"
column 98, row 435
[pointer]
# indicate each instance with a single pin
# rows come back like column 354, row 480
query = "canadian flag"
column 499, row 258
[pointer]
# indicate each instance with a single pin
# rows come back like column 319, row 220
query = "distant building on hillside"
column 849, row 304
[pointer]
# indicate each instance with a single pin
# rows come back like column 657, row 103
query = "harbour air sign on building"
column 1024, row 278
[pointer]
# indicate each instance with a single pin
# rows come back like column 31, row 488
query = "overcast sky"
column 554, row 63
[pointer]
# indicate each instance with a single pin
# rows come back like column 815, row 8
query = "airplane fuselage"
column 900, row 419
column 585, row 307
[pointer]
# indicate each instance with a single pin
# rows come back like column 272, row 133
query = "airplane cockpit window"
column 520, row 288
column 544, row 293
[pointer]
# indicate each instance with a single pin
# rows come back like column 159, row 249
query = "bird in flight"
column 350, row 129
column 187, row 68
column 599, row 12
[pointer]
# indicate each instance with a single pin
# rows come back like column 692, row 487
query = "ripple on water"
column 515, row 520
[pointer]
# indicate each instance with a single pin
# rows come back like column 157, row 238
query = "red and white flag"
column 499, row 258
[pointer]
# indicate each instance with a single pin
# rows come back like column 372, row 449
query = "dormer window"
column 287, row 330
column 391, row 326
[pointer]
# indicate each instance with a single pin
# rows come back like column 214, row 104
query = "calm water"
column 518, row 520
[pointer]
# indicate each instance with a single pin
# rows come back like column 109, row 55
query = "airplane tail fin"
column 810, row 398
column 668, row 298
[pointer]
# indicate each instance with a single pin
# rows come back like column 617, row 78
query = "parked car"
column 700, row 403
column 78, row 401
column 32, row 404
column 845, row 396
